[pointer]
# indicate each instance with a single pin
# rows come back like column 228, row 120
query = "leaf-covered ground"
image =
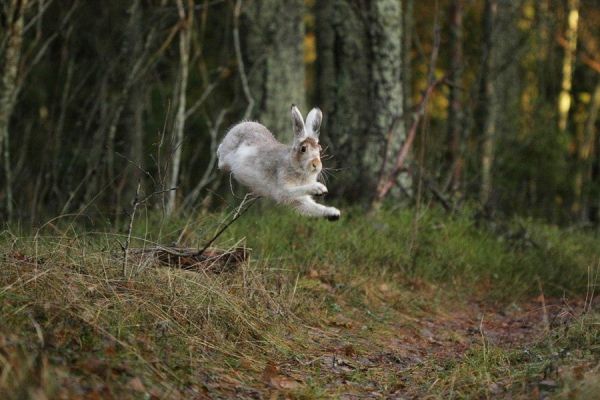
column 388, row 306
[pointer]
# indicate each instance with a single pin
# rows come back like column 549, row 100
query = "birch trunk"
column 184, row 55
column 10, row 88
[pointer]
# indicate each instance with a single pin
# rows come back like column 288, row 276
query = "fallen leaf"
column 270, row 371
column 272, row 377
column 341, row 322
column 283, row 382
column 547, row 384
column 136, row 384
column 349, row 350
column 247, row 364
column 495, row 388
column 384, row 287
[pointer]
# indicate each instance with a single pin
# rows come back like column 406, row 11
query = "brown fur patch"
column 311, row 142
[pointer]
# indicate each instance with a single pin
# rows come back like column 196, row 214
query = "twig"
column 242, row 208
column 386, row 182
column 432, row 188
column 136, row 203
column 130, row 228
column 209, row 89
column 544, row 309
column 208, row 172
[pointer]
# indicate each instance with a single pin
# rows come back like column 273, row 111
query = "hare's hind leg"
column 307, row 206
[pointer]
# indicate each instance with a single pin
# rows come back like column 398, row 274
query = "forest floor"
column 385, row 307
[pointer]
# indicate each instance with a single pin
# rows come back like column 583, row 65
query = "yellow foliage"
column 310, row 48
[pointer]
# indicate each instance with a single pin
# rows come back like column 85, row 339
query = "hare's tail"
column 221, row 164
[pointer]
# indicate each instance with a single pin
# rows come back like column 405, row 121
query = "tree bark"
column 184, row 55
column 584, row 179
column 10, row 88
column 564, row 100
column 455, row 112
column 500, row 84
column 489, row 92
column 388, row 131
column 134, row 122
column 359, row 69
column 272, row 43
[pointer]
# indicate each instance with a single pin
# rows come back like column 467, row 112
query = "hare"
column 286, row 173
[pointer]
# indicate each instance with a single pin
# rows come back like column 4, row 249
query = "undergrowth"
column 73, row 326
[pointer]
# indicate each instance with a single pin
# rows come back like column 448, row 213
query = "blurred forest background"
column 493, row 102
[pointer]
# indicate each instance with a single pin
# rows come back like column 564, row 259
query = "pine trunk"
column 360, row 51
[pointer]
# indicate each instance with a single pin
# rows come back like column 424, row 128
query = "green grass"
column 383, row 286
column 440, row 249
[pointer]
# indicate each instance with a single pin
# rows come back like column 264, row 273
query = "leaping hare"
column 286, row 173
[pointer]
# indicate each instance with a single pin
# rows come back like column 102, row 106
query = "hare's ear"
column 297, row 122
column 313, row 122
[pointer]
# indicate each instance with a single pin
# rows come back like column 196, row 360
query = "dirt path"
column 347, row 359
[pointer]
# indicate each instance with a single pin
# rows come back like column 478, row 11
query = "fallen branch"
column 206, row 259
column 210, row 260
column 135, row 204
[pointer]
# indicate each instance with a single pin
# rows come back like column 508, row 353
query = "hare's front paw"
column 333, row 214
column 317, row 189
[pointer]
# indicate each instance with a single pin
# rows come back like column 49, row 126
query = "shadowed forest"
column 460, row 140
column 499, row 100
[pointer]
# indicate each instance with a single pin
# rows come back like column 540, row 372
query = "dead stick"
column 239, row 212
column 136, row 202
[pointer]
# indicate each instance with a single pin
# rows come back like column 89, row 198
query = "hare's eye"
column 303, row 149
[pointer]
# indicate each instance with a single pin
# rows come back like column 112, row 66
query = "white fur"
column 284, row 173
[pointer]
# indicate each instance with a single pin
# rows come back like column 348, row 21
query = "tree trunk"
column 134, row 123
column 491, row 109
column 184, row 55
column 407, row 36
column 360, row 53
column 564, row 100
column 500, row 84
column 455, row 113
column 272, row 43
column 584, row 179
column 10, row 88
column 388, row 130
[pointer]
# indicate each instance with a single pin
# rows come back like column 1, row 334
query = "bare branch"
column 240, row 61
column 387, row 181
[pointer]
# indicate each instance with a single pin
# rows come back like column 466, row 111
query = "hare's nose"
column 316, row 163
